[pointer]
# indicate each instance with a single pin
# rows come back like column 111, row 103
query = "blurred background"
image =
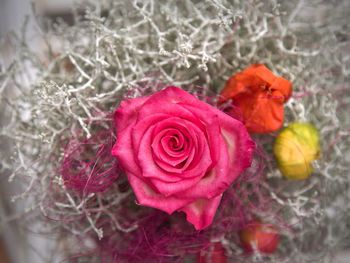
column 16, row 245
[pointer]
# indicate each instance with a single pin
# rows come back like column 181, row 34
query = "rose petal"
column 216, row 179
column 201, row 212
column 127, row 112
column 171, row 96
column 172, row 189
column 148, row 197
column 146, row 162
column 124, row 151
column 143, row 125
column 209, row 116
column 236, row 149
column 239, row 144
column 167, row 165
column 168, row 108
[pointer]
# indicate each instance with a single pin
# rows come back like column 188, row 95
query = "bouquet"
column 189, row 131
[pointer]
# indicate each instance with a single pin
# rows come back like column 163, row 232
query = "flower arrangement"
column 179, row 153
column 154, row 131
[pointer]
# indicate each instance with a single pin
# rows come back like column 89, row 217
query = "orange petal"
column 284, row 86
column 261, row 113
column 261, row 72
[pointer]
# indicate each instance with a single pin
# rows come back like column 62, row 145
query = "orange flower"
column 260, row 96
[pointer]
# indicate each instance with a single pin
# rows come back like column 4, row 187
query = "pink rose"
column 179, row 153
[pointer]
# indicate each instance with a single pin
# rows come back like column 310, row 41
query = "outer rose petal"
column 153, row 106
column 148, row 197
column 201, row 212
column 237, row 138
column 124, row 117
column 173, row 95
column 209, row 116
column 127, row 112
column 235, row 148
column 216, row 180
column 124, row 151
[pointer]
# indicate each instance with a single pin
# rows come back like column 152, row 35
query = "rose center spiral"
column 174, row 147
column 173, row 143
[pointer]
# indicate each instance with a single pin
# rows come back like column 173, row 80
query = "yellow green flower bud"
column 295, row 148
